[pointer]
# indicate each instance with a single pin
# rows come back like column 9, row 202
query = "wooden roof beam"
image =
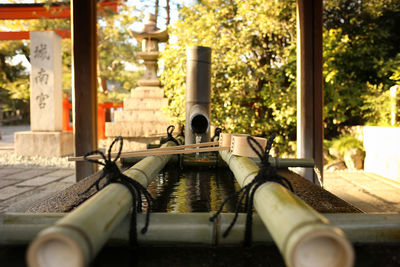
column 59, row 10
column 25, row 35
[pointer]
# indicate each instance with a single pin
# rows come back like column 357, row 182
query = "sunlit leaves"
column 251, row 44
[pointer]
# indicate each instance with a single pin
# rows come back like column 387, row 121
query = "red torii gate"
column 59, row 10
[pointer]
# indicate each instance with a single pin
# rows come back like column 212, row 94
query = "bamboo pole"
column 304, row 237
column 180, row 229
column 275, row 162
column 129, row 154
column 77, row 238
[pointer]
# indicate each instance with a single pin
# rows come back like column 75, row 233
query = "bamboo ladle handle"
column 148, row 152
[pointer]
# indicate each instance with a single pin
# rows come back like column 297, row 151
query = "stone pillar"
column 46, row 137
column 46, row 91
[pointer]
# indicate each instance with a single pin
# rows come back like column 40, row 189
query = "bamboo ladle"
column 236, row 143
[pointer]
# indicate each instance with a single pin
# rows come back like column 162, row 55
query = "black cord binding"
column 112, row 174
column 266, row 174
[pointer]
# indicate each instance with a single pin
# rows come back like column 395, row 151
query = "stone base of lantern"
column 141, row 122
column 149, row 83
column 45, row 144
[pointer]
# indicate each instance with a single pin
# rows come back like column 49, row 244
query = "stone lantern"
column 150, row 36
column 142, row 122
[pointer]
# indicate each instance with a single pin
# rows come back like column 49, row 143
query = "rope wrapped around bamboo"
column 303, row 236
column 75, row 240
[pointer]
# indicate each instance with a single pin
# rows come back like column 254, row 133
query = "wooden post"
column 84, row 81
column 309, row 85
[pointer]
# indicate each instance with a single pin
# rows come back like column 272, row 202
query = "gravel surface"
column 8, row 159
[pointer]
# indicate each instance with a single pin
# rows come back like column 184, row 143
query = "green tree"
column 253, row 56
column 116, row 53
column 361, row 59
column 14, row 80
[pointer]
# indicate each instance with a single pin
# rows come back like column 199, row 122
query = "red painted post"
column 101, row 121
column 65, row 116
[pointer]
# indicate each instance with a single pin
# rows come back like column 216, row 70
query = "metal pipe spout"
column 198, row 92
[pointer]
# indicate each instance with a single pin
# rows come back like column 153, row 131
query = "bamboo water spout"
column 304, row 237
column 198, row 94
column 75, row 240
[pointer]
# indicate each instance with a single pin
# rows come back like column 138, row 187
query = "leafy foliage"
column 253, row 82
column 14, row 81
column 361, row 61
column 254, row 62
column 378, row 105
column 344, row 143
column 116, row 53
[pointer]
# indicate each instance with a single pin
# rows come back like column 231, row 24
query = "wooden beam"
column 41, row 10
column 24, row 35
column 309, row 85
column 84, row 101
column 34, row 11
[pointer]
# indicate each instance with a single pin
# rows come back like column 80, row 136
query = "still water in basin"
column 193, row 190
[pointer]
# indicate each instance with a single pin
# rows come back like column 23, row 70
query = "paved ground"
column 22, row 185
column 369, row 192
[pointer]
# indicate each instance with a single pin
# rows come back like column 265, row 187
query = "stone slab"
column 45, row 81
column 144, row 103
column 12, row 191
column 62, row 172
column 8, row 171
column 140, row 116
column 7, row 182
column 144, row 92
column 69, row 179
column 27, row 174
column 135, row 129
column 360, row 192
column 39, row 181
column 45, row 144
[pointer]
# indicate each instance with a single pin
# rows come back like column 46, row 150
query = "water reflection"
column 193, row 190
